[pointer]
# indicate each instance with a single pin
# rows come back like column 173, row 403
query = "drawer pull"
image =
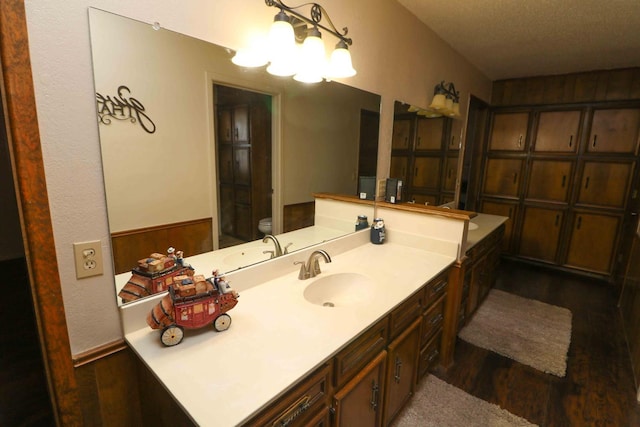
column 595, row 139
column 520, row 141
column 397, row 371
column 570, row 141
column 433, row 355
column 439, row 288
column 374, row 395
column 436, row 319
column 293, row 412
column 564, row 180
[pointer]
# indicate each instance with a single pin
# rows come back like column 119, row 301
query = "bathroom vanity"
column 290, row 358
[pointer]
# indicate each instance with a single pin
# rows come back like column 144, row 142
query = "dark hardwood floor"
column 598, row 389
column 24, row 399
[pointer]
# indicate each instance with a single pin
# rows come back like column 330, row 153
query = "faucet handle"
column 273, row 254
column 304, row 273
column 286, row 248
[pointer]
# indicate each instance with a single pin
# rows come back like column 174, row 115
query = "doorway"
column 243, row 121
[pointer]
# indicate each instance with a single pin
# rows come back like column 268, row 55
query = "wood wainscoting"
column 299, row 215
column 192, row 237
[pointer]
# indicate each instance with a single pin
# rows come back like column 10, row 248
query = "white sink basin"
column 246, row 256
column 472, row 226
column 340, row 290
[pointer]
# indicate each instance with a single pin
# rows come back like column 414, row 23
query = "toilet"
column 264, row 225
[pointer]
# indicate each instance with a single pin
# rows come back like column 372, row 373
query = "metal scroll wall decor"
column 123, row 107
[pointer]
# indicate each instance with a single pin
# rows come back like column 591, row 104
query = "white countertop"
column 485, row 225
column 277, row 336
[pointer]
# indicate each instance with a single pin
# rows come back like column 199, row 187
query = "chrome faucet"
column 278, row 249
column 312, row 267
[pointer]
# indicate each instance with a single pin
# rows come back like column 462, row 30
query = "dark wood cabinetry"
column 243, row 130
column 424, row 155
column 564, row 176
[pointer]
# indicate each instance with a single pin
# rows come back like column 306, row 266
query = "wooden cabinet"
column 592, row 241
column 575, row 176
column 401, row 139
column 429, row 134
column 503, row 177
column 485, row 258
column 605, row 183
column 243, row 148
column 614, row 131
column 306, row 404
column 540, row 235
column 558, row 131
column 509, row 131
column 401, row 372
column 424, row 155
column 550, row 180
column 359, row 402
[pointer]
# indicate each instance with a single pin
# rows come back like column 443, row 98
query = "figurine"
column 154, row 274
column 192, row 303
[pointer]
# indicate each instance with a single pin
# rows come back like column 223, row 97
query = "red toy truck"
column 154, row 275
column 192, row 303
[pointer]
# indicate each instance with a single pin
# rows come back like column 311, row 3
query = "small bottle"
column 377, row 231
column 362, row 222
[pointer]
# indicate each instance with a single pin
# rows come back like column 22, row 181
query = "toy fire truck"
column 191, row 303
column 155, row 274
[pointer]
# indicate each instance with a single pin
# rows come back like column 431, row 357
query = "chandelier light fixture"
column 294, row 46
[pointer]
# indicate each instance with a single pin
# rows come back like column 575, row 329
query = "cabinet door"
column 550, row 180
column 540, row 234
column 454, row 142
column 509, row 131
column 242, row 165
column 241, row 124
column 502, row 177
column 429, row 134
column 401, row 134
column 245, row 228
column 614, row 131
column 426, row 173
column 399, row 168
column 402, row 368
column 502, row 209
column 450, row 173
column 359, row 402
column 605, row 183
column 593, row 242
column 225, row 126
column 558, row 131
column 225, row 163
column 227, row 210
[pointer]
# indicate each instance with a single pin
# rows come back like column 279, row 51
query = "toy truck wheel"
column 172, row 335
column 222, row 322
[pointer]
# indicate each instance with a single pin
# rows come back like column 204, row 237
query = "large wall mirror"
column 426, row 155
column 199, row 153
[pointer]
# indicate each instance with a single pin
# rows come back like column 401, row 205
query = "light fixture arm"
column 316, row 14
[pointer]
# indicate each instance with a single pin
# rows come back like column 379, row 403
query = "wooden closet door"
column 429, row 134
column 557, row 131
column 426, row 173
column 540, row 236
column 550, row 180
column 502, row 177
column 509, row 131
column 401, row 134
column 605, row 183
column 592, row 242
column 614, row 131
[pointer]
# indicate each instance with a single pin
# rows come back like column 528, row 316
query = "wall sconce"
column 446, row 101
column 307, row 62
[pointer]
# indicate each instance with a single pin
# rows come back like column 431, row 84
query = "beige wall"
column 395, row 55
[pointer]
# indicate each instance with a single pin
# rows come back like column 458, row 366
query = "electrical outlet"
column 88, row 257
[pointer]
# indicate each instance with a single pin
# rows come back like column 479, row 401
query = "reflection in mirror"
column 200, row 154
column 425, row 156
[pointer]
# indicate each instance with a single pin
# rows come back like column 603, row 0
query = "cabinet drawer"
column 435, row 289
column 405, row 314
column 301, row 406
column 429, row 355
column 432, row 321
column 357, row 354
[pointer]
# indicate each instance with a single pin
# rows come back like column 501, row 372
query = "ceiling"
column 523, row 38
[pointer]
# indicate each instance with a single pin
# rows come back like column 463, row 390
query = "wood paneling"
column 299, row 215
column 34, row 210
column 605, row 85
column 191, row 237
